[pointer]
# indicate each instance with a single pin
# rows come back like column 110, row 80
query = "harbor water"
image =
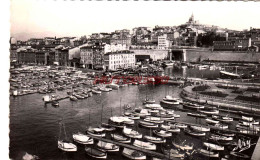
column 35, row 127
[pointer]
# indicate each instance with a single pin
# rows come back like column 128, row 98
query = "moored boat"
column 194, row 133
column 162, row 133
column 213, row 146
column 121, row 138
column 109, row 147
column 82, row 139
column 148, row 124
column 155, row 139
column 95, row 153
column 144, row 145
column 133, row 154
column 67, row 146
column 207, row 153
column 131, row 133
column 183, row 147
column 200, row 128
column 97, row 132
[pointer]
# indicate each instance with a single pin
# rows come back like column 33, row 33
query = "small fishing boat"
column 73, row 98
column 67, row 146
column 155, row 139
column 103, row 89
column 178, row 125
column 96, row 91
column 249, row 123
column 131, row 133
column 209, row 112
column 108, row 147
column 200, row 128
column 197, row 115
column 172, row 153
column 192, row 106
column 219, row 126
column 224, row 119
column 107, row 127
column 153, row 106
column 183, row 147
column 220, row 138
column 249, row 119
column 82, row 138
column 169, row 102
column 117, row 122
column 97, row 132
column 78, row 96
column 95, row 153
column 121, row 138
column 226, row 133
column 133, row 154
column 194, row 133
column 213, row 146
column 144, row 145
column 149, row 101
column 55, row 103
column 148, row 124
column 28, row 156
column 157, row 120
column 211, row 121
column 170, row 128
column 162, row 133
column 239, row 155
column 207, row 153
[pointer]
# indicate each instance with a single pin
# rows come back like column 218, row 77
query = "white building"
column 119, row 59
column 163, row 43
column 114, row 47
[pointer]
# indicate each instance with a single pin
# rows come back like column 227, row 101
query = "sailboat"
column 65, row 145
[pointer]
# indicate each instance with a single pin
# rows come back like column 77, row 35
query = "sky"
column 78, row 18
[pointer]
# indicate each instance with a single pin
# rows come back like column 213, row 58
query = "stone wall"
column 194, row 55
column 154, row 53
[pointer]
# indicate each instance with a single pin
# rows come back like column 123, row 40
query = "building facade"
column 120, row 59
column 86, row 57
column 163, row 43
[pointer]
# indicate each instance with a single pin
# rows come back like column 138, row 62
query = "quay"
column 214, row 128
column 147, row 152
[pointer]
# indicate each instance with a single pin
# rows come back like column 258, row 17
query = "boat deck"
column 147, row 152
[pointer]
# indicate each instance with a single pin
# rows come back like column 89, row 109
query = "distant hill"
column 25, row 36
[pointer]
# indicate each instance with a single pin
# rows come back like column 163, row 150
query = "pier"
column 214, row 128
column 147, row 152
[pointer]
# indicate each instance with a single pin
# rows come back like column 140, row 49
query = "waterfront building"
column 119, row 59
column 224, row 46
column 86, row 57
column 163, row 43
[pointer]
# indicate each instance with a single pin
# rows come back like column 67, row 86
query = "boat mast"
column 101, row 113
